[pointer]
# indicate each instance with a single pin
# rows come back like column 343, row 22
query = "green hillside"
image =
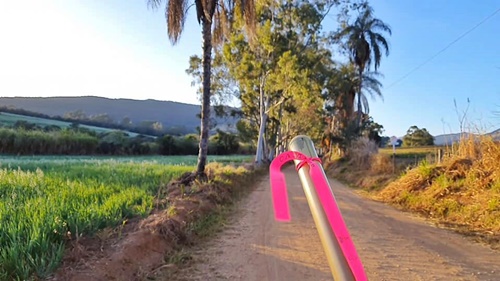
column 177, row 115
column 9, row 119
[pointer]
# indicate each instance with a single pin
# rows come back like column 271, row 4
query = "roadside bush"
column 361, row 152
column 246, row 148
column 381, row 164
column 187, row 145
column 463, row 189
column 24, row 142
column 220, row 144
column 167, row 145
column 223, row 144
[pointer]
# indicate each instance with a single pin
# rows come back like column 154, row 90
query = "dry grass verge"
column 186, row 210
column 462, row 193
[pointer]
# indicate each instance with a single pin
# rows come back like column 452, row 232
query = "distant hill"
column 9, row 119
column 170, row 114
column 448, row 139
column 495, row 134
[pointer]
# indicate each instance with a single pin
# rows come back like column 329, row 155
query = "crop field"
column 412, row 152
column 9, row 119
column 45, row 201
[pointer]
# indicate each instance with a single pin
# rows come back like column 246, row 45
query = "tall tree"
column 341, row 89
column 365, row 42
column 282, row 74
column 216, row 18
column 417, row 137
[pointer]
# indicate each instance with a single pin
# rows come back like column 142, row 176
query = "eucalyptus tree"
column 216, row 18
column 282, row 75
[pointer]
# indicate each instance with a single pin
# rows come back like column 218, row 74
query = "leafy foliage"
column 417, row 137
column 222, row 85
column 284, row 74
column 220, row 144
column 288, row 70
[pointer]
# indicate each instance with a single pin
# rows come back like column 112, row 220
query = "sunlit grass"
column 44, row 201
column 411, row 152
column 30, row 161
column 460, row 190
column 463, row 189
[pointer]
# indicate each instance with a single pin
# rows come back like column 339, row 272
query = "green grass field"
column 44, row 201
column 9, row 119
column 411, row 152
column 50, row 161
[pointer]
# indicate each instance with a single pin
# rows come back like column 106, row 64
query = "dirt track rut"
column 392, row 245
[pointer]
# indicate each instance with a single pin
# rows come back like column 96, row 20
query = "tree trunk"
column 358, row 116
column 349, row 107
column 279, row 141
column 261, row 140
column 206, row 27
column 259, row 155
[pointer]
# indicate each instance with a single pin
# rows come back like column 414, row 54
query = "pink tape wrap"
column 327, row 199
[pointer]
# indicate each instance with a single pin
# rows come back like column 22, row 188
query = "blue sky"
column 120, row 49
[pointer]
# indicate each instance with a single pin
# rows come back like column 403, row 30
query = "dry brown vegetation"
column 187, row 210
column 462, row 192
column 365, row 168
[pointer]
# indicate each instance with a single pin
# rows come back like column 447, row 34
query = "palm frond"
column 366, row 15
column 199, row 10
column 371, row 85
column 218, row 26
column 175, row 13
column 365, row 104
column 377, row 55
column 346, row 31
column 379, row 24
column 380, row 39
column 154, row 4
column 373, row 92
column 362, row 104
column 364, row 52
column 249, row 14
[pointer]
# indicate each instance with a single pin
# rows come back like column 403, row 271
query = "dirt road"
column 392, row 245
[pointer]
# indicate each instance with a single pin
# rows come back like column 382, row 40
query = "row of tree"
column 220, row 144
column 28, row 139
column 22, row 142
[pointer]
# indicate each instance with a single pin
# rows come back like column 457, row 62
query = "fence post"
column 336, row 260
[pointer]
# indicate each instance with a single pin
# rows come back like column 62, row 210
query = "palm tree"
column 340, row 96
column 370, row 86
column 365, row 45
column 349, row 85
column 215, row 17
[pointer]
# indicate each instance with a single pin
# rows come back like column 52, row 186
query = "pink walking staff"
column 339, row 248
